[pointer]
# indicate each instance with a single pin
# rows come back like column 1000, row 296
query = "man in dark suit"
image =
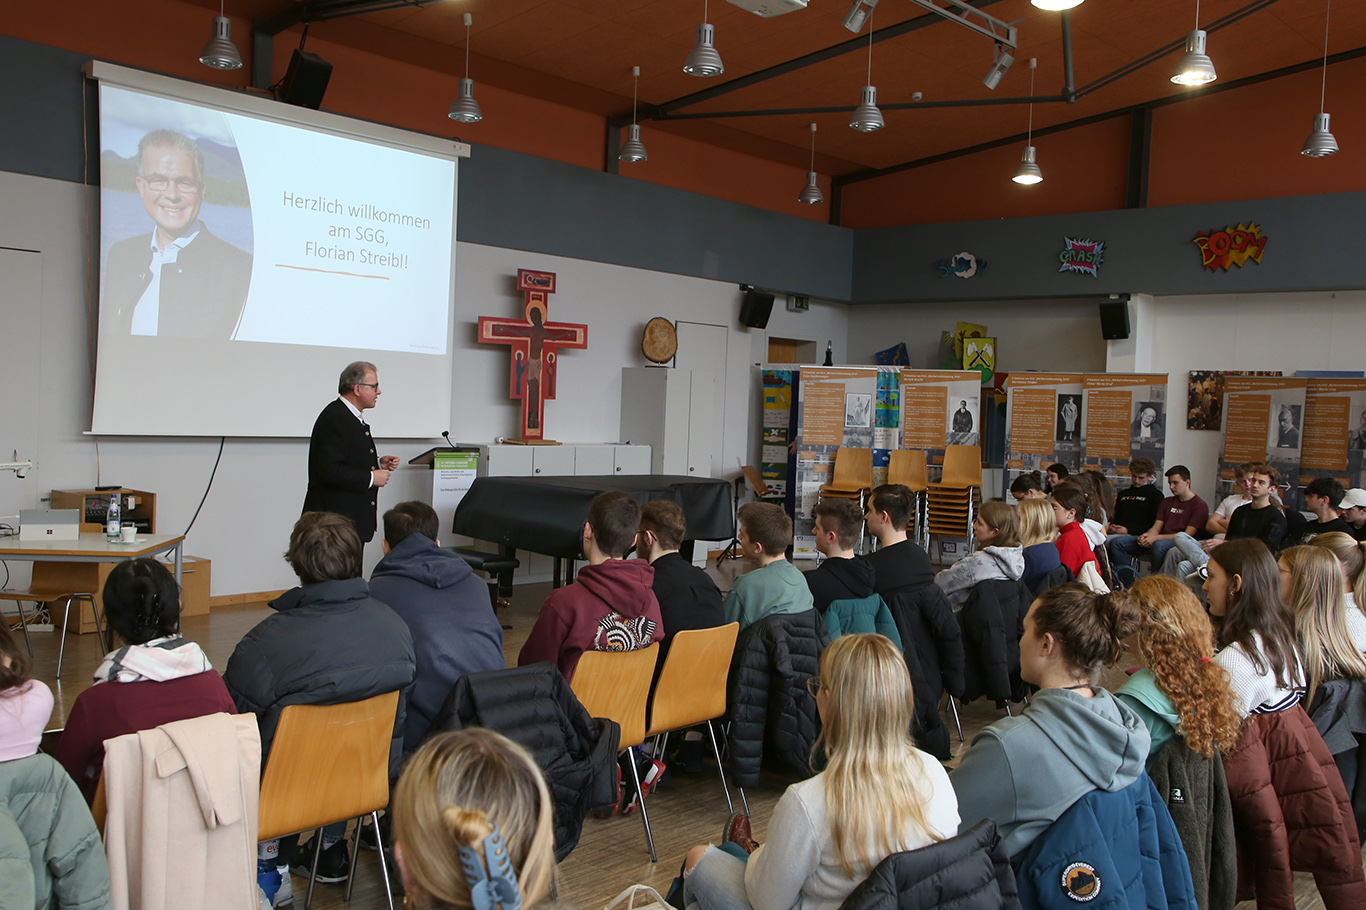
column 344, row 472
column 179, row 280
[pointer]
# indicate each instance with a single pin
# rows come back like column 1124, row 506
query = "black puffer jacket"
column 1339, row 714
column 933, row 645
column 993, row 624
column 328, row 643
column 534, row 707
column 772, row 715
column 967, row 872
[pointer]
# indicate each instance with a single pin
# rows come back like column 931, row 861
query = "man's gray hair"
column 354, row 375
column 172, row 139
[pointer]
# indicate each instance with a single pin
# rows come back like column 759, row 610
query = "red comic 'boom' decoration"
column 1230, row 246
column 535, row 343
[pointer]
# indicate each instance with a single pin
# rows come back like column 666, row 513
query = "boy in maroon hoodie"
column 611, row 606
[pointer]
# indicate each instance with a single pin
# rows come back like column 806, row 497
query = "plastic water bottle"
column 112, row 525
column 268, row 869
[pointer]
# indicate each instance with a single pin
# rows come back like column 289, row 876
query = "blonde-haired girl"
column 1311, row 584
column 878, row 795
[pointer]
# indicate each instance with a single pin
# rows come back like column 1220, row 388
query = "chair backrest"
column 692, row 685
column 853, row 469
column 756, row 482
column 962, row 466
column 327, row 763
column 909, row 467
column 616, row 685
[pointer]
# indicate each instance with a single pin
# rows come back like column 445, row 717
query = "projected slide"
column 231, row 228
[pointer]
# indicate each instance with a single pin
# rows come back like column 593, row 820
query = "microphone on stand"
column 447, row 434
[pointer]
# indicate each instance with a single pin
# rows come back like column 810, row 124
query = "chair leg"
column 720, row 769
column 953, row 709
column 384, row 863
column 644, row 815
column 61, row 648
column 355, row 854
column 99, row 627
column 313, row 869
column 1008, row 714
column 744, row 801
column 24, row 622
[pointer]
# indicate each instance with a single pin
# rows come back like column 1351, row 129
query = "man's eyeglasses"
column 813, row 685
column 158, row 183
column 370, row 385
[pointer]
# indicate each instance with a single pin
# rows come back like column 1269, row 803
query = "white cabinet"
column 671, row 411
column 631, row 459
column 505, row 461
column 552, row 461
column 594, row 459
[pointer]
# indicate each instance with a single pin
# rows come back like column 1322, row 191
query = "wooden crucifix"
column 535, row 342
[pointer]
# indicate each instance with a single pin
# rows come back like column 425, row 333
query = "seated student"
column 1219, row 518
column 1260, row 518
column 611, row 605
column 1323, row 496
column 1136, row 507
column 1351, row 556
column 25, row 702
column 1083, row 736
column 898, row 563
column 463, row 796
column 1353, row 507
column 1069, row 508
column 1330, row 635
column 1182, row 511
column 156, row 678
column 774, row 585
column 328, row 643
column 844, row 575
column 688, row 598
column 1028, row 486
column 1180, row 689
column 1054, row 474
column 1037, row 530
column 1256, row 638
column 998, row 554
column 829, row 831
column 1100, row 503
column 445, row 605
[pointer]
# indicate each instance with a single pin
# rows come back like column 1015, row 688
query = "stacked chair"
column 953, row 501
column 909, row 468
column 852, row 478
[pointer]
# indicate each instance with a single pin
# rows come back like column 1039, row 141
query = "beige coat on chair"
column 181, row 829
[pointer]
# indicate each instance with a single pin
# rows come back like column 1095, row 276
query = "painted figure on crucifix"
column 535, row 342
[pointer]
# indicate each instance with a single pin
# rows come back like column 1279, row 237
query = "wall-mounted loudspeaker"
column 305, row 81
column 755, row 308
column 1114, row 319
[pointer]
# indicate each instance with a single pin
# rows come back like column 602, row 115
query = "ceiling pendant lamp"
column 1056, row 6
column 1195, row 68
column 1029, row 173
column 703, row 60
column 465, row 109
column 220, row 53
column 811, row 193
column 1321, row 143
column 633, row 150
column 867, row 118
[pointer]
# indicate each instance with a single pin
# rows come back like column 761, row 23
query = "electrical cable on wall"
column 212, row 475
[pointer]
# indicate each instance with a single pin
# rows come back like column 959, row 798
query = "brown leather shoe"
column 738, row 832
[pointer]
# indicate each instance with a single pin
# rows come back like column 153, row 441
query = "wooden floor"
column 612, row 853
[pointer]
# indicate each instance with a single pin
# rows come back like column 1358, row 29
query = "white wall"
column 1055, row 335
column 259, row 487
column 1287, row 332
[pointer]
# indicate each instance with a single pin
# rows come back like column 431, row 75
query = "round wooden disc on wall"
column 660, row 343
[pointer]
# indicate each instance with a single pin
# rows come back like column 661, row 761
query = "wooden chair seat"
column 962, row 466
column 909, row 468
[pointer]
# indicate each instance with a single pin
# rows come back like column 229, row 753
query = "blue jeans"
column 1185, row 557
column 717, row 882
column 1124, row 547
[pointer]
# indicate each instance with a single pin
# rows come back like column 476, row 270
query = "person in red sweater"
column 611, row 606
column 157, row 677
column 1069, row 508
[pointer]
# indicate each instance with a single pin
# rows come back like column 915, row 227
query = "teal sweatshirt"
column 778, row 587
column 1152, row 706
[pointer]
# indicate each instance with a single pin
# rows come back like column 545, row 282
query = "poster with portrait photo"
column 1039, row 408
column 1333, row 436
column 1262, row 422
column 1126, row 418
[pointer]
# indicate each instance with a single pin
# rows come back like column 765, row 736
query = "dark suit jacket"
column 1136, row 427
column 341, row 456
column 202, row 292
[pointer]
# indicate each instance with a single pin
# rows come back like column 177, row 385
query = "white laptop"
column 49, row 524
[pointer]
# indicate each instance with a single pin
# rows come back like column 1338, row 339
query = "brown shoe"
column 738, row 832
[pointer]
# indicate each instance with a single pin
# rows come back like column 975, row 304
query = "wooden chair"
column 329, row 763
column 852, row 475
column 910, row 468
column 38, row 594
column 616, row 685
column 952, row 502
column 692, row 687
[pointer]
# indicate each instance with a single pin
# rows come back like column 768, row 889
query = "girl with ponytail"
column 473, row 825
column 1351, row 554
column 1180, row 690
column 25, row 702
column 159, row 676
column 1023, row 772
column 1311, row 583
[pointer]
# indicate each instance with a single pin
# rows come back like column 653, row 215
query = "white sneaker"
column 284, row 895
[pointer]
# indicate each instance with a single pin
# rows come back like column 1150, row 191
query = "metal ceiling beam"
column 1214, row 89
column 970, row 17
column 896, row 106
column 781, row 69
